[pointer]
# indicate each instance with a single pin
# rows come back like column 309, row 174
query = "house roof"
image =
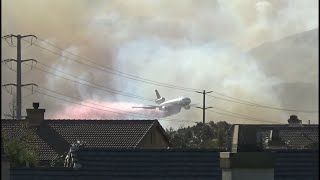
column 54, row 137
column 166, row 164
column 298, row 137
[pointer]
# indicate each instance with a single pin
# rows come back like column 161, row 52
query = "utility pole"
column 18, row 61
column 204, row 105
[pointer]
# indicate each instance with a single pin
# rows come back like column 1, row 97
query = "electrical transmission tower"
column 204, row 105
column 18, row 61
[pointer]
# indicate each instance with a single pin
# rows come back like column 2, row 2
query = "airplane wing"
column 146, row 107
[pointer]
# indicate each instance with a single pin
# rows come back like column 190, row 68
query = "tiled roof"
column 56, row 136
column 302, row 137
column 16, row 128
column 103, row 133
column 297, row 138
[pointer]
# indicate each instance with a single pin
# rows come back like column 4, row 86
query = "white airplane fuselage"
column 169, row 107
column 175, row 105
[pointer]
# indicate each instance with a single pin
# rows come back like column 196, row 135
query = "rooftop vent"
column 294, row 121
column 35, row 105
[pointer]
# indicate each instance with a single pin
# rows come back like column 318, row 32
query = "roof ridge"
column 145, row 133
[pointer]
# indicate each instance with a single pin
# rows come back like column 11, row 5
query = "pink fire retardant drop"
column 107, row 110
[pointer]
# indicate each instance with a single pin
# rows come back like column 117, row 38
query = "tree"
column 19, row 149
column 221, row 133
column 200, row 136
column 12, row 108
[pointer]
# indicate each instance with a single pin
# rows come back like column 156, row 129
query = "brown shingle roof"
column 54, row 137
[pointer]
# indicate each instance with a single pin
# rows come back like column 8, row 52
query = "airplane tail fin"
column 158, row 95
column 159, row 99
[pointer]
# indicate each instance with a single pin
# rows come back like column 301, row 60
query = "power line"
column 251, row 119
column 8, row 60
column 241, row 115
column 116, row 72
column 59, row 70
column 268, row 107
column 247, row 102
column 102, row 89
column 19, row 61
column 95, row 103
column 183, row 88
column 135, row 114
column 180, row 87
column 86, row 85
column 159, row 83
column 111, row 90
column 100, row 105
column 126, row 113
column 171, row 86
column 106, row 88
column 204, row 108
column 9, row 44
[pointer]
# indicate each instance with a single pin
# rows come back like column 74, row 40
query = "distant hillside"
column 298, row 95
column 294, row 60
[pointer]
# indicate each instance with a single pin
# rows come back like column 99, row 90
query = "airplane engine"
column 160, row 100
column 163, row 108
column 186, row 107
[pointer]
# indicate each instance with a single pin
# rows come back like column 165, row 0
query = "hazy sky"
column 195, row 44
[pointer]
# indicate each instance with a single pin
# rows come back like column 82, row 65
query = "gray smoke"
column 196, row 44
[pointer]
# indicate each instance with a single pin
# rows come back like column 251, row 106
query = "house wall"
column 154, row 139
column 248, row 174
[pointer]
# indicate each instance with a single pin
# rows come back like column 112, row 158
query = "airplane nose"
column 187, row 101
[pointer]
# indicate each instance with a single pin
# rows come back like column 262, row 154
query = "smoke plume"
column 196, row 44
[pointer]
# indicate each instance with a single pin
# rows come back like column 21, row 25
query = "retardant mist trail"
column 107, row 110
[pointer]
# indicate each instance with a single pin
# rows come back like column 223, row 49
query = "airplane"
column 170, row 107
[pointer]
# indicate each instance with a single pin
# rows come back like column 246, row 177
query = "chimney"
column 294, row 121
column 35, row 116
